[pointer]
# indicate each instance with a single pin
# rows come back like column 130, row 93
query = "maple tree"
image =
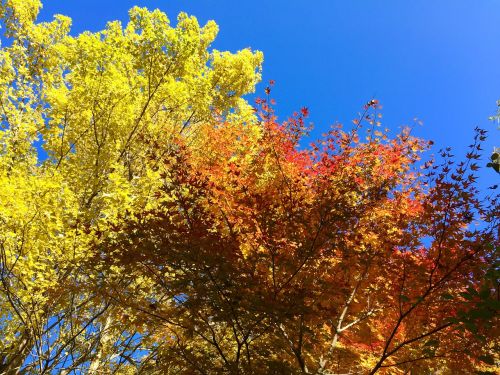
column 268, row 258
column 168, row 227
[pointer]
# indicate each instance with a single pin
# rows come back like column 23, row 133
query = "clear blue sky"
column 437, row 60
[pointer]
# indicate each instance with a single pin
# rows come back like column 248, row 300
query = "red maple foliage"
column 269, row 257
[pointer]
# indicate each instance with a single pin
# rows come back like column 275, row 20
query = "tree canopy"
column 152, row 221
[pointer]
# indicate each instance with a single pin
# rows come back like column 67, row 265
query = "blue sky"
column 438, row 61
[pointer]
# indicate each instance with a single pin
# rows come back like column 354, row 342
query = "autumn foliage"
column 172, row 228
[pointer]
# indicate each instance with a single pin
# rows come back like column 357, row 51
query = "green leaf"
column 429, row 351
column 447, row 296
column 484, row 293
column 452, row 320
column 471, row 326
column 432, row 342
column 466, row 295
column 404, row 298
column 488, row 359
column 493, row 304
column 481, row 313
column 472, row 291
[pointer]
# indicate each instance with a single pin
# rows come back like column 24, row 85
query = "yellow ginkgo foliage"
column 78, row 117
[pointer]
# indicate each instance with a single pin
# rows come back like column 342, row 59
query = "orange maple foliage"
column 268, row 257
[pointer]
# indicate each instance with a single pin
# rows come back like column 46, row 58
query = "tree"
column 171, row 229
column 269, row 258
column 90, row 101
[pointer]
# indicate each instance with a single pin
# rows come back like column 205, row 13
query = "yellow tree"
column 95, row 102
